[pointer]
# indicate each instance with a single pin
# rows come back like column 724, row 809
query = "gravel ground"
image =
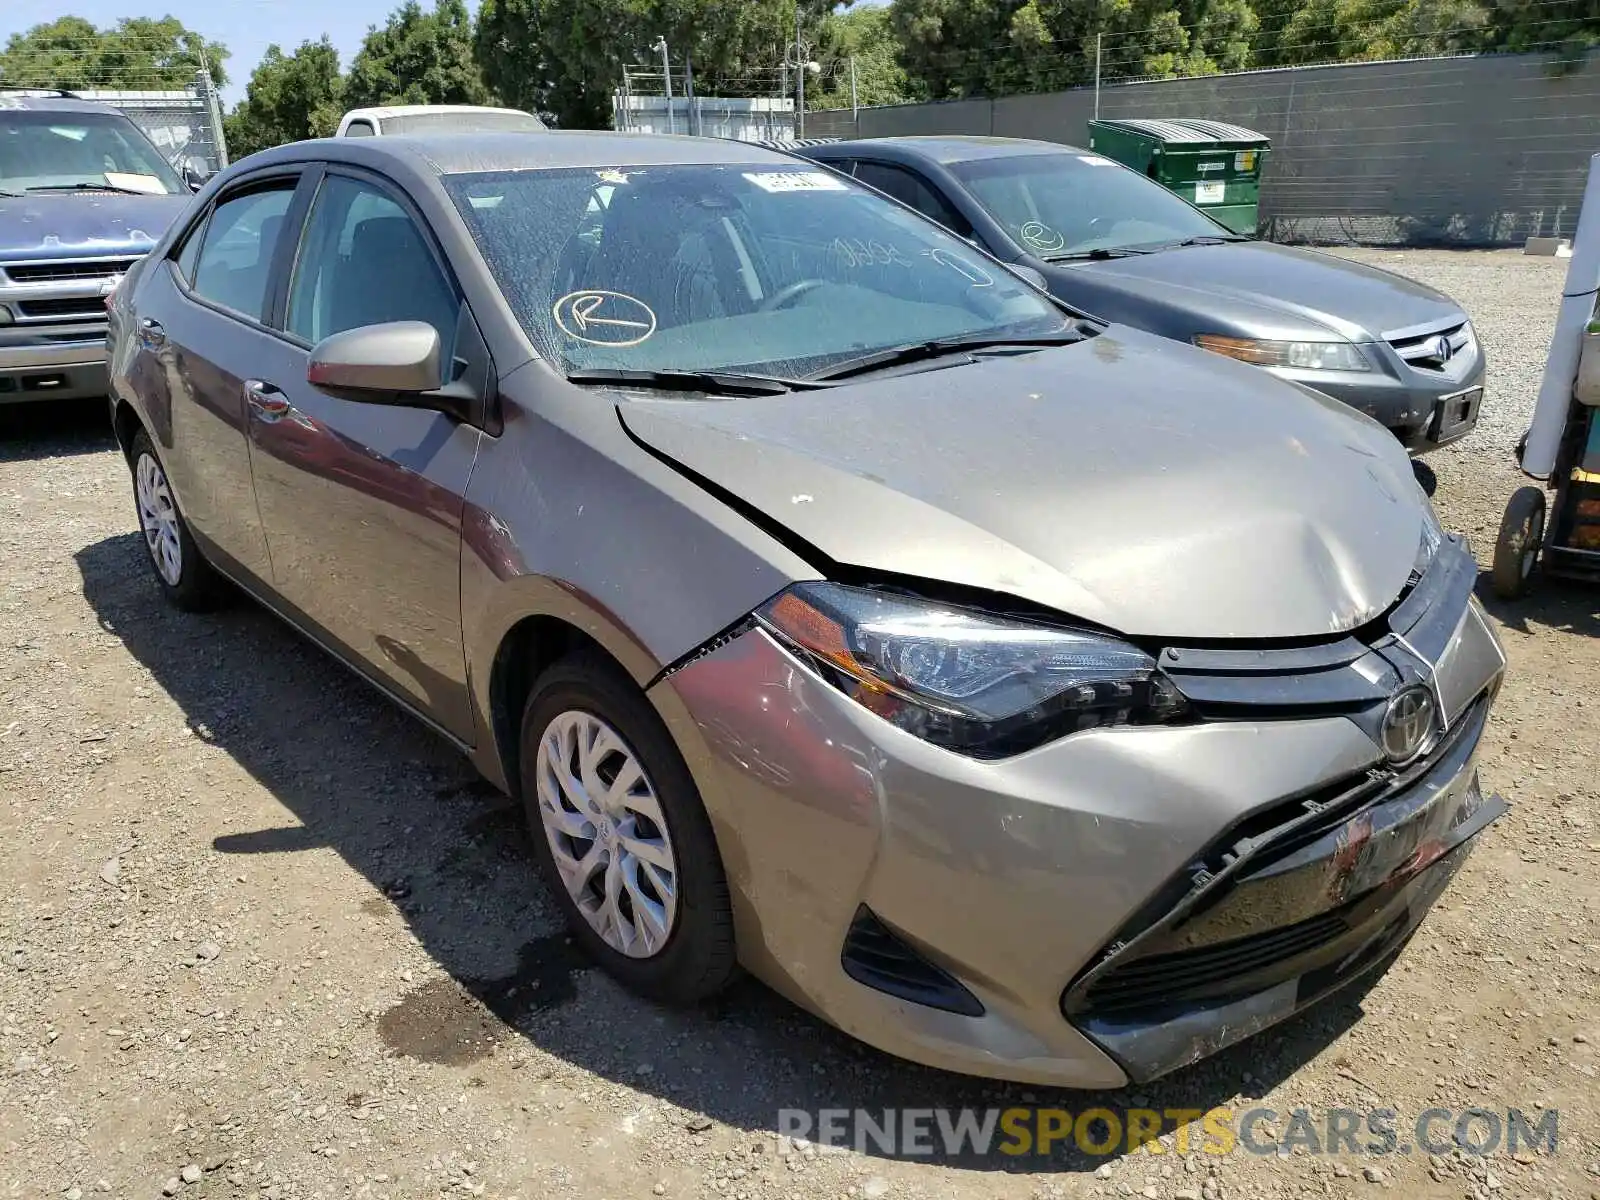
column 265, row 936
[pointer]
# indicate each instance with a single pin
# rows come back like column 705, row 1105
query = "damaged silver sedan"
column 1027, row 696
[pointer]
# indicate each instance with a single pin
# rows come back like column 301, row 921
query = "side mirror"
column 400, row 358
column 196, row 172
column 1029, row 275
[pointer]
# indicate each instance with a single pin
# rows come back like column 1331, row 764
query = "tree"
column 865, row 36
column 564, row 58
column 289, row 98
column 138, row 53
column 418, row 57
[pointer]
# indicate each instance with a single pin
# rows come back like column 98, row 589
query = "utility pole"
column 800, row 74
column 666, row 73
column 1097, row 76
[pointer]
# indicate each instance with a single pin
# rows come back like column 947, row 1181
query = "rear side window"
column 191, row 251
column 359, row 129
column 910, row 188
column 235, row 259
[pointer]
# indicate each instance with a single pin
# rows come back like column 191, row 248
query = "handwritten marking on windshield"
column 978, row 277
column 858, row 253
column 601, row 318
column 1042, row 238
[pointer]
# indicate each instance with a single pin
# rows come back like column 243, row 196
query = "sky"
column 245, row 27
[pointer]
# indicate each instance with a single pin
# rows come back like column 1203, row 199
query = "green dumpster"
column 1214, row 166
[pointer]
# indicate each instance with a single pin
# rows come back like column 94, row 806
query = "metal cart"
column 1561, row 449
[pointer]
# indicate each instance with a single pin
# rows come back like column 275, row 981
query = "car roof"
column 946, row 148
column 66, row 102
column 460, row 153
column 411, row 110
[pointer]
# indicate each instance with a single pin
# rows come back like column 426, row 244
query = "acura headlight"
column 963, row 679
column 1305, row 356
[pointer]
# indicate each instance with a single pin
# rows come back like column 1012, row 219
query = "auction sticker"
column 604, row 318
column 795, row 181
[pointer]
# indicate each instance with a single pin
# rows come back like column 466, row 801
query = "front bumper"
column 52, row 363
column 1015, row 879
column 1424, row 409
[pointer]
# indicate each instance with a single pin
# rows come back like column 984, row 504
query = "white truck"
column 400, row 119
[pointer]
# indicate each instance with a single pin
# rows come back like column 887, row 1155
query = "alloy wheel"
column 158, row 518
column 607, row 833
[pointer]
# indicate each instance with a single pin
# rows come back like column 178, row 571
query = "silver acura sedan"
column 1027, row 696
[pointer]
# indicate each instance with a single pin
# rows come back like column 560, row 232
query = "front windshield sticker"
column 796, row 181
column 604, row 318
column 131, row 182
column 855, row 253
column 1094, row 160
column 968, row 270
column 1042, row 238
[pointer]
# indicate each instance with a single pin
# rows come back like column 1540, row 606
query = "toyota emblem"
column 1408, row 724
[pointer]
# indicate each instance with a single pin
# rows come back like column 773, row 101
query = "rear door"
column 199, row 323
column 363, row 502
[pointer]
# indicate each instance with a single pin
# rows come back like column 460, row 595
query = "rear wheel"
column 1516, row 550
column 621, row 836
column 184, row 575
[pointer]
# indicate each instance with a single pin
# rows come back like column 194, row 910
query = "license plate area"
column 1454, row 414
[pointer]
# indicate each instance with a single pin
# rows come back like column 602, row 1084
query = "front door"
column 362, row 502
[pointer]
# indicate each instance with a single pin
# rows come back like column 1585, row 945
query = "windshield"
column 42, row 150
column 463, row 122
column 1060, row 205
column 762, row 267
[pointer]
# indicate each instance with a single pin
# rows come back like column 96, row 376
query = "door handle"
column 151, row 333
column 266, row 400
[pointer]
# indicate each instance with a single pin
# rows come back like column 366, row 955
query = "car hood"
column 83, row 224
column 1147, row 488
column 1275, row 288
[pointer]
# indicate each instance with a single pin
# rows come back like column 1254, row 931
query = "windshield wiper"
column 12, row 195
column 91, row 187
column 1098, row 253
column 1209, row 239
column 896, row 356
column 723, row 383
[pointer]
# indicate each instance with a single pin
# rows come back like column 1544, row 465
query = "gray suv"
column 1031, row 697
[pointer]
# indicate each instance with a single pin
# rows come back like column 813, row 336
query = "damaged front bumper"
column 1273, row 920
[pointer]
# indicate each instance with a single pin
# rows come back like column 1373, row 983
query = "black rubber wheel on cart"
column 1516, row 551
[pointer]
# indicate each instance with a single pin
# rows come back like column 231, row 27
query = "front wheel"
column 185, row 577
column 621, row 836
column 1516, row 550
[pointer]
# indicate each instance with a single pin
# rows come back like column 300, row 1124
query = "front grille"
column 1434, row 351
column 1156, row 979
column 67, row 271
column 69, row 308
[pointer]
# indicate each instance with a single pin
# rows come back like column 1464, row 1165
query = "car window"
column 235, row 259
column 766, row 266
column 191, row 251
column 1057, row 205
column 363, row 261
column 910, row 188
column 41, row 151
column 359, row 129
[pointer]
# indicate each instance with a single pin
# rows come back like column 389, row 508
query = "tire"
column 680, row 951
column 187, row 580
column 1516, row 550
column 1427, row 480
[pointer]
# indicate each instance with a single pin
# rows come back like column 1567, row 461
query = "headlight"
column 1428, row 547
column 980, row 684
column 1305, row 356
